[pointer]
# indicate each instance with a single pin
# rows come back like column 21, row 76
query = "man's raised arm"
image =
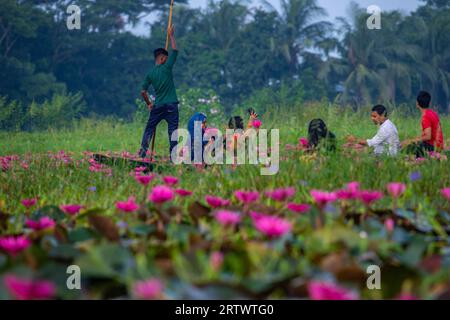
column 174, row 54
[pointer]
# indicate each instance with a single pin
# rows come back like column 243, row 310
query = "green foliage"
column 58, row 112
column 227, row 48
column 413, row 257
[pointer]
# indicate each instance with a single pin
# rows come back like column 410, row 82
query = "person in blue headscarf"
column 197, row 128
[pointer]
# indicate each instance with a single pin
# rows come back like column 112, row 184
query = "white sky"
column 335, row 8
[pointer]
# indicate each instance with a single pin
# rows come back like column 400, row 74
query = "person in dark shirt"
column 320, row 137
column 166, row 103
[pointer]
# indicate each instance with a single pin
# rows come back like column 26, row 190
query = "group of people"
column 386, row 141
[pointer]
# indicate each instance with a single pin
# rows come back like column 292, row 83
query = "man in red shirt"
column 432, row 138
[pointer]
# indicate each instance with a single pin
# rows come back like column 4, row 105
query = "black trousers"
column 168, row 112
column 419, row 149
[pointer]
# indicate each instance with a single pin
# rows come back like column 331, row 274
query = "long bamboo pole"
column 169, row 25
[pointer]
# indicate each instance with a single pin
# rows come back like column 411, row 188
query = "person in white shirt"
column 386, row 141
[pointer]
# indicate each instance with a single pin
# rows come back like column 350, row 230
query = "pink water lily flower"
column 148, row 289
column 353, row 186
column 140, row 169
column 26, row 289
column 281, row 194
column 127, row 206
column 396, row 189
column 256, row 123
column 319, row 290
column 216, row 260
column 161, row 194
column 41, row 224
column 368, row 197
column 247, row 197
column 183, row 192
column 216, row 202
column 346, row 194
column 170, row 181
column 271, row 226
column 228, row 218
column 28, row 203
column 13, row 245
column 144, row 179
column 446, row 193
column 303, row 142
column 298, row 207
column 406, row 296
column 322, row 198
column 71, row 209
column 389, row 224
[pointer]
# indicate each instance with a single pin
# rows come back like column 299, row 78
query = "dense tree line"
column 233, row 49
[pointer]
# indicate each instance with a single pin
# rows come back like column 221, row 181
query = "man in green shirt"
column 166, row 103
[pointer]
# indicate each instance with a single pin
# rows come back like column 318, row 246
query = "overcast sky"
column 335, row 8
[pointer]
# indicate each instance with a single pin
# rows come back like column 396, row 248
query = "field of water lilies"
column 183, row 232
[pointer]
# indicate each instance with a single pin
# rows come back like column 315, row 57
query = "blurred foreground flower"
column 281, row 194
column 25, row 289
column 216, row 260
column 13, row 245
column 228, row 218
column 328, row 291
column 41, row 224
column 322, row 198
column 273, row 227
column 28, row 203
column 127, row 206
column 216, row 202
column 144, row 179
column 161, row 194
column 446, row 193
column 148, row 289
column 170, row 181
column 71, row 209
column 368, row 197
column 183, row 192
column 298, row 207
column 247, row 197
column 396, row 189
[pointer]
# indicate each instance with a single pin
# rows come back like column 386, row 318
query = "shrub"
column 58, row 112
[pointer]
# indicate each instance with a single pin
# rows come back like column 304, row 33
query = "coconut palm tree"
column 430, row 30
column 300, row 29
